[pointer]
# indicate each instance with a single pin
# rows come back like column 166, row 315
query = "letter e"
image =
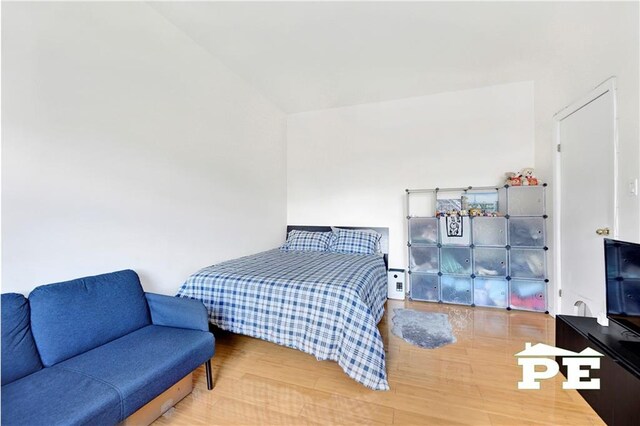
column 575, row 373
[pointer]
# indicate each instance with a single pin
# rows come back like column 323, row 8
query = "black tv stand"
column 617, row 401
column 631, row 345
column 613, row 341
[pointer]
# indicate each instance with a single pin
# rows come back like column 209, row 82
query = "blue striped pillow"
column 355, row 241
column 307, row 241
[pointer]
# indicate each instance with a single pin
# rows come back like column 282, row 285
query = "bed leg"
column 207, row 366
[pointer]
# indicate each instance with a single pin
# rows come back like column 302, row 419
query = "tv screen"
column 622, row 262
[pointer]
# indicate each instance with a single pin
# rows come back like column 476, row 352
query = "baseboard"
column 160, row 404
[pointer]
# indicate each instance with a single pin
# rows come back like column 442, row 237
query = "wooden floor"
column 470, row 382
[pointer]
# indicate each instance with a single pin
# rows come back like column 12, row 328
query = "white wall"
column 351, row 165
column 125, row 145
column 601, row 44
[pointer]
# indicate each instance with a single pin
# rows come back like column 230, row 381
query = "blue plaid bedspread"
column 326, row 304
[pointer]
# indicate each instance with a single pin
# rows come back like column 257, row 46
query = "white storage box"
column 396, row 286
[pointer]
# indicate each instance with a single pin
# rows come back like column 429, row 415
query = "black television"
column 622, row 265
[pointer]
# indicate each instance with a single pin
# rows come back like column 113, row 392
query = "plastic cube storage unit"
column 423, row 230
column 492, row 292
column 496, row 262
column 527, row 263
column 525, row 201
column 490, row 262
column 527, row 232
column 528, row 295
column 489, row 231
column 425, row 287
column 455, row 260
column 464, row 240
column 424, row 259
column 456, row 290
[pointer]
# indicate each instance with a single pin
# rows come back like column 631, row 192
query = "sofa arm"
column 177, row 312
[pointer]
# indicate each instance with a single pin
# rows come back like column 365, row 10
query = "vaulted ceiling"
column 315, row 55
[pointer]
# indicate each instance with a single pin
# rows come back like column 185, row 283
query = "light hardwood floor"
column 471, row 382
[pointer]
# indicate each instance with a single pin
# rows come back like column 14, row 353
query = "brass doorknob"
column 602, row 231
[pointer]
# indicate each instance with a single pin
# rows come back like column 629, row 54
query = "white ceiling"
column 308, row 56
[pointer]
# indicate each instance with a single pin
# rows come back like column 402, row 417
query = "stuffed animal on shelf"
column 524, row 178
column 527, row 177
column 513, row 179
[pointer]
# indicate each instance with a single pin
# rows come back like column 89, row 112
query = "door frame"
column 609, row 85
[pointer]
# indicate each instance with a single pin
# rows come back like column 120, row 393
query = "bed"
column 323, row 303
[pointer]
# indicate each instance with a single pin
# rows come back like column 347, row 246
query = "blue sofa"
column 94, row 350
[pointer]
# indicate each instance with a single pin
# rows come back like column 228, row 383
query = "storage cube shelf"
column 455, row 260
column 497, row 262
column 464, row 240
column 526, row 200
column 423, row 230
column 528, row 295
column 527, row 263
column 491, row 292
column 424, row 259
column 490, row 231
column 456, row 289
column 425, row 287
column 526, row 232
column 490, row 262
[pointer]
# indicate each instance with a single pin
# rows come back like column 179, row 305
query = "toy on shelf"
column 524, row 178
column 528, row 179
column 474, row 202
column 512, row 179
column 474, row 212
column 445, row 213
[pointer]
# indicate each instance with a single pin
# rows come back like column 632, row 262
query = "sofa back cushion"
column 73, row 317
column 19, row 354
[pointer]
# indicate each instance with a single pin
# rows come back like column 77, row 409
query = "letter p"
column 530, row 375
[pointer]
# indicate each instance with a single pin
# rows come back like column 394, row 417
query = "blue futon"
column 94, row 350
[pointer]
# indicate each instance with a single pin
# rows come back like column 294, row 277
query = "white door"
column 587, row 197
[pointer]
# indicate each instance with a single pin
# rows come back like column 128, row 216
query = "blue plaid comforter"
column 326, row 304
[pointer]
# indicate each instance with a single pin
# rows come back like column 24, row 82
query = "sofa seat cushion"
column 143, row 364
column 55, row 396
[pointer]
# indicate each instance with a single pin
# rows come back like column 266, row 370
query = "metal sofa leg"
column 209, row 377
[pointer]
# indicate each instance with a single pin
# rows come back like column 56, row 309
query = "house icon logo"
column 536, row 356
